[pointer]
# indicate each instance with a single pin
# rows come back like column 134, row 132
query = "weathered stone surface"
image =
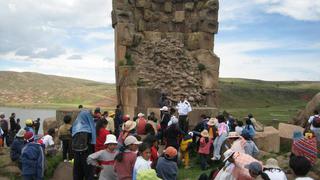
column 179, row 16
column 50, row 123
column 287, row 130
column 189, row 6
column 199, row 40
column 268, row 140
column 125, row 33
column 165, row 39
column 302, row 117
column 152, row 36
column 168, row 7
column 140, row 3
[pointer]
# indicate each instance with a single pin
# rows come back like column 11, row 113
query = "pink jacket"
column 205, row 147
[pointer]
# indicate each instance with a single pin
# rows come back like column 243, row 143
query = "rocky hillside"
column 38, row 90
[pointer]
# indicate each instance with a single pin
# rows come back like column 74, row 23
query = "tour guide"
column 184, row 108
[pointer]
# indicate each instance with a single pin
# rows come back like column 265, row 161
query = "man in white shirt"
column 48, row 142
column 184, row 107
column 315, row 130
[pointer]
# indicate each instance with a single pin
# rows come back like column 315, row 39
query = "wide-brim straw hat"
column 129, row 125
column 111, row 113
column 131, row 140
column 164, row 108
column 204, row 133
column 227, row 154
column 212, row 122
column 272, row 163
column 233, row 135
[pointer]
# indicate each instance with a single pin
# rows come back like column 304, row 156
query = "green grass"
column 52, row 163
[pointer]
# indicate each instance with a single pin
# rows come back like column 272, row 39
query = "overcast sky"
column 257, row 39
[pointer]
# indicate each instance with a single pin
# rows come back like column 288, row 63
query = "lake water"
column 33, row 114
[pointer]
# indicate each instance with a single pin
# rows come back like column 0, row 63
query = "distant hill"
column 267, row 99
column 38, row 90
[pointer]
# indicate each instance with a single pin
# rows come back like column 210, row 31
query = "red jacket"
column 101, row 139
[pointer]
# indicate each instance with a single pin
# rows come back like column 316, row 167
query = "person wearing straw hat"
column 126, row 158
column 212, row 127
column 226, row 172
column 109, row 117
column 273, row 170
column 105, row 158
column 17, row 145
column 204, row 148
column 128, row 128
column 235, row 142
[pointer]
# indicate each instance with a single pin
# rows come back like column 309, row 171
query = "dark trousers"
column 203, row 161
column 81, row 170
column 66, row 149
column 31, row 177
column 183, row 124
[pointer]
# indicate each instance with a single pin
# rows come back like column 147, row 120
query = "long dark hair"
column 143, row 147
column 100, row 124
column 149, row 129
column 264, row 176
column 119, row 156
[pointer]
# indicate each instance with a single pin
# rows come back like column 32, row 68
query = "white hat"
column 227, row 154
column 111, row 139
column 140, row 115
column 233, row 135
column 272, row 163
column 21, row 133
column 164, row 108
column 131, row 140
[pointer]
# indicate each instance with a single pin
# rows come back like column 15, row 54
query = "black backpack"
column 316, row 122
column 80, row 141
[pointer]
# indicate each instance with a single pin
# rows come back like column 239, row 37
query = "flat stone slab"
column 268, row 140
column 287, row 130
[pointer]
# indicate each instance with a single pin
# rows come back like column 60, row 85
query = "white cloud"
column 308, row 10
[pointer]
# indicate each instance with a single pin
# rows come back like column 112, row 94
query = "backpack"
column 80, row 141
column 316, row 122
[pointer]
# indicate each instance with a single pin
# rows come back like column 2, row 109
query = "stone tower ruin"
column 165, row 46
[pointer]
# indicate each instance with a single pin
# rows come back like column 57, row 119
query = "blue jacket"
column 167, row 169
column 85, row 123
column 32, row 160
column 15, row 149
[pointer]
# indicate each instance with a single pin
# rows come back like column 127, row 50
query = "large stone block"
column 168, row 7
column 212, row 4
column 208, row 26
column 152, row 36
column 129, row 96
column 194, row 115
column 155, row 110
column 189, row 6
column 140, row 3
column 179, row 16
column 268, row 140
column 199, row 40
column 207, row 58
column 124, row 33
column 120, row 54
column 127, row 76
column 286, row 130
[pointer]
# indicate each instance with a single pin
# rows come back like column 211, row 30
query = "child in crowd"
column 185, row 146
column 126, row 159
column 141, row 124
column 29, row 125
column 204, row 148
column 48, row 142
column 64, row 134
column 239, row 127
column 250, row 147
column 167, row 167
column 219, row 140
column 255, row 171
column 102, row 133
column 300, row 166
column 249, row 128
column 226, row 172
column 16, row 146
column 32, row 158
column 152, row 141
column 105, row 158
column 143, row 160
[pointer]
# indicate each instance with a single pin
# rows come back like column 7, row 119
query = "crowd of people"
column 114, row 146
